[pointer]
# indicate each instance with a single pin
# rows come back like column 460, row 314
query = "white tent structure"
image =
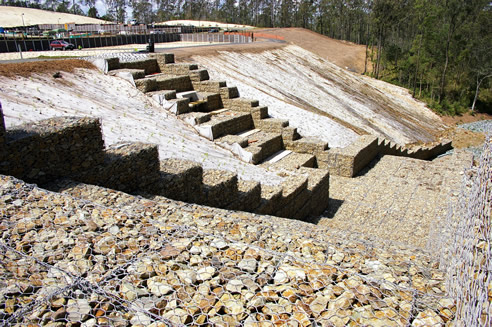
column 19, row 16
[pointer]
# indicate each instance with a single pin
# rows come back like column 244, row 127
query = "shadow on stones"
column 370, row 166
column 333, row 206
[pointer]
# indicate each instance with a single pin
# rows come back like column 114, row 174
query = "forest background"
column 441, row 50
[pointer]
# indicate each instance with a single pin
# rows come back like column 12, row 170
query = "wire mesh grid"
column 135, row 262
column 465, row 245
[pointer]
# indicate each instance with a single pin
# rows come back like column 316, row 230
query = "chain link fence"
column 90, row 256
column 465, row 245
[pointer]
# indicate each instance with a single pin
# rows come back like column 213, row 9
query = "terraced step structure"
column 73, row 148
column 210, row 106
column 218, row 113
column 350, row 160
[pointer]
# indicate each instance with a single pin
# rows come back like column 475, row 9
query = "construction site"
column 259, row 184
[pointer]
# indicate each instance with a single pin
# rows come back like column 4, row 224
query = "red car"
column 61, row 45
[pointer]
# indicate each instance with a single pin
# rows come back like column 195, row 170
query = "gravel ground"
column 481, row 126
column 93, row 256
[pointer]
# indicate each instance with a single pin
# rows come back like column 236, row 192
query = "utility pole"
column 16, row 44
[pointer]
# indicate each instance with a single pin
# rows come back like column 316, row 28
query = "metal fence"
column 93, row 257
column 464, row 245
column 14, row 44
column 215, row 37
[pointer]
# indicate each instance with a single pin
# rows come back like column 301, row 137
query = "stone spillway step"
column 212, row 101
column 220, row 188
column 307, row 145
column 241, row 104
column 272, row 124
column 249, row 196
column 287, row 159
column 180, row 180
column 208, row 86
column 225, row 122
column 262, row 145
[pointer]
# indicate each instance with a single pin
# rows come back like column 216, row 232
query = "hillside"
column 127, row 115
column 322, row 99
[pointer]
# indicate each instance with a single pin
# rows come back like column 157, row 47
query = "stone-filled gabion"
column 135, row 262
column 57, row 147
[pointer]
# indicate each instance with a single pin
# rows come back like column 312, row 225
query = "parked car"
column 61, row 45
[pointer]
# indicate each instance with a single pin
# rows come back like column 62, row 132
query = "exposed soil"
column 463, row 138
column 25, row 69
column 342, row 53
column 465, row 118
column 185, row 54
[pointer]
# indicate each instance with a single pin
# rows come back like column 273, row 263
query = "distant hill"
column 12, row 17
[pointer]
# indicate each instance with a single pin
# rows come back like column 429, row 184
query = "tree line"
column 439, row 49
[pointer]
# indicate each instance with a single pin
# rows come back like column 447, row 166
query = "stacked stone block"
column 178, row 69
column 350, row 160
column 249, row 196
column 345, row 162
column 162, row 59
column 209, row 86
column 226, row 123
column 73, row 148
column 318, row 188
column 425, row 152
column 180, row 180
column 219, row 188
column 294, row 195
column 150, row 66
column 128, row 167
column 53, row 148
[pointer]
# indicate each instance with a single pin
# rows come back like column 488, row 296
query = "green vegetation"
column 440, row 50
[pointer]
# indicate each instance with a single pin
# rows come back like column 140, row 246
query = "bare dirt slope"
column 342, row 53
